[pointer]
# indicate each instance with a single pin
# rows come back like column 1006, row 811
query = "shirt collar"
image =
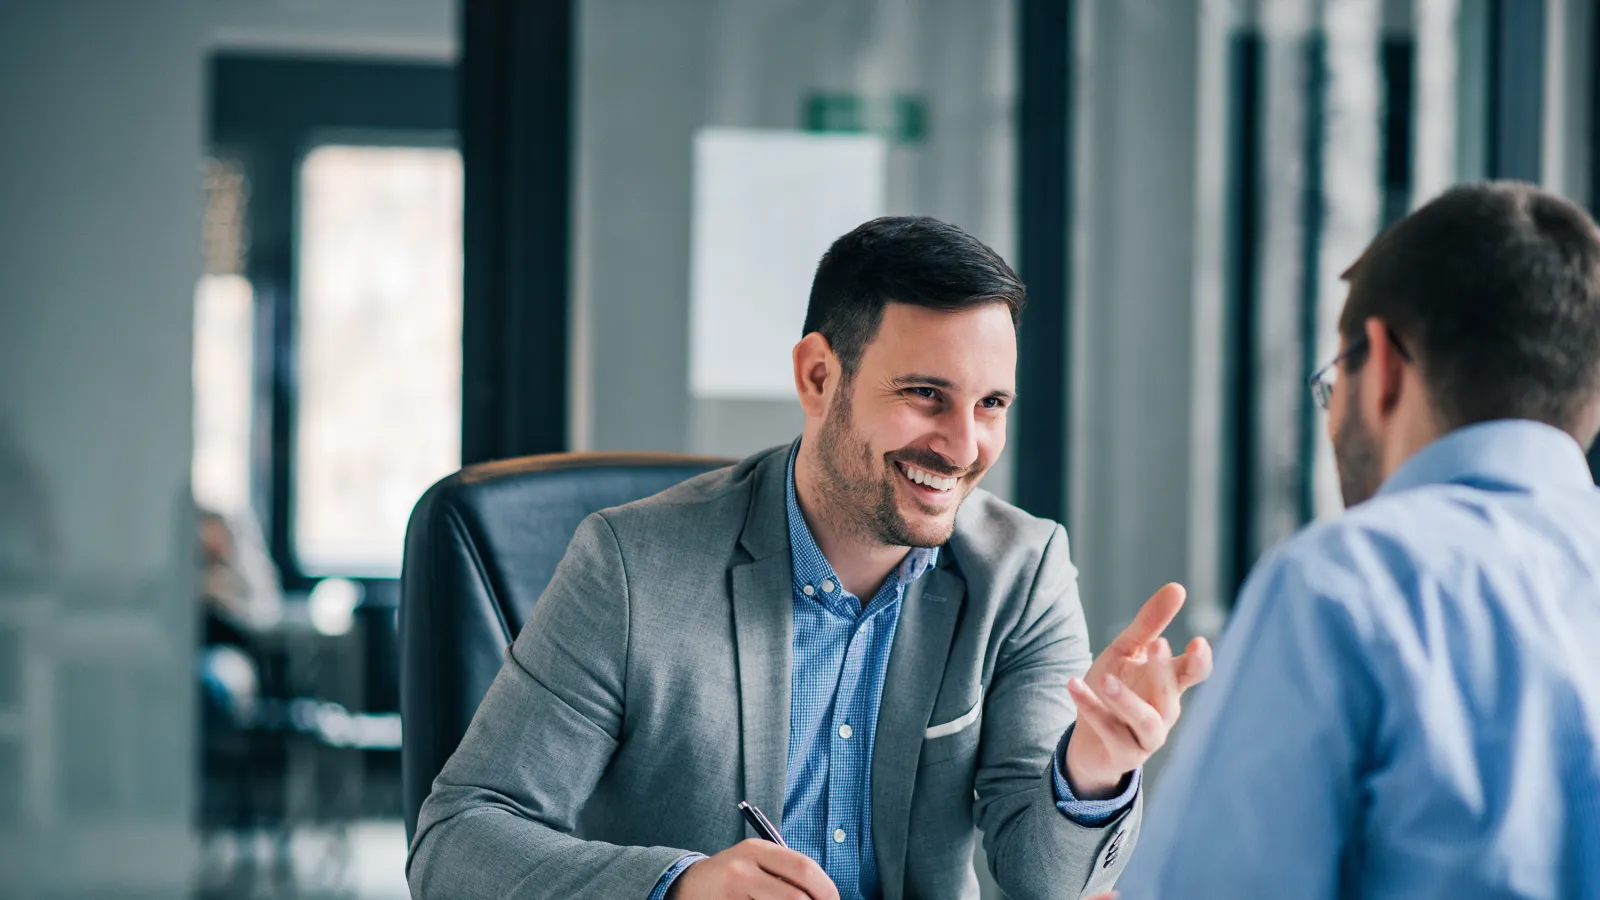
column 1512, row 453
column 811, row 567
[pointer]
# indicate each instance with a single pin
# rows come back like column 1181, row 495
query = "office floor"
column 363, row 861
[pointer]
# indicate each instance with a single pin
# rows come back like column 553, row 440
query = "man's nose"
column 957, row 439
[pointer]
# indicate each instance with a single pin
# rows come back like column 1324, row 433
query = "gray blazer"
column 649, row 692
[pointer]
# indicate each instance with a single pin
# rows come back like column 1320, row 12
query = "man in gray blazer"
column 844, row 632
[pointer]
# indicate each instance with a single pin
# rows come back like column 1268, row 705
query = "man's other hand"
column 754, row 870
column 1130, row 698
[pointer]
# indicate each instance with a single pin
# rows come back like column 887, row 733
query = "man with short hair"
column 1407, row 700
column 845, row 631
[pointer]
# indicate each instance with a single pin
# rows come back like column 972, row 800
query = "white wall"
column 1145, row 307
column 99, row 224
column 650, row 74
column 100, row 180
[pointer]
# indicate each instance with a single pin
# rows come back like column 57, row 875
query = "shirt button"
column 808, row 590
column 845, row 731
column 838, row 835
column 827, row 587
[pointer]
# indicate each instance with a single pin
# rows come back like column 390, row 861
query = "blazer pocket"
column 960, row 723
column 953, row 739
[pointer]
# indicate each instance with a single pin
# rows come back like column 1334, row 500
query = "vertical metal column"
column 1044, row 206
column 517, row 86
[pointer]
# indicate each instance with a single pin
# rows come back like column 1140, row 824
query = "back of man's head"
column 1495, row 287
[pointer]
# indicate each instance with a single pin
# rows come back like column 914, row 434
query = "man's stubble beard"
column 856, row 488
column 1355, row 452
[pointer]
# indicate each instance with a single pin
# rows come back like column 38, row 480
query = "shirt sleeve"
column 671, row 875
column 1089, row 813
column 1262, row 790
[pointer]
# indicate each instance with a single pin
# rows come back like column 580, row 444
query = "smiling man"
column 844, row 631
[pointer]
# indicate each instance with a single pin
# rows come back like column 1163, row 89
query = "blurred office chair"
column 480, row 549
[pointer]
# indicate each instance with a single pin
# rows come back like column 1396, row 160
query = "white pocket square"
column 955, row 725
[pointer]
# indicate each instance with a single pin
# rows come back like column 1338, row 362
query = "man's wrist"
column 667, row 887
column 1097, row 788
column 1087, row 781
column 1094, row 785
column 1089, row 812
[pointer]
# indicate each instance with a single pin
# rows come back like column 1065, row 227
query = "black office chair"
column 480, row 549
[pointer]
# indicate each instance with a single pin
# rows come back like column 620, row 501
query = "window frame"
column 269, row 112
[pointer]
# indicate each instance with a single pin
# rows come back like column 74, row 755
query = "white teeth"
column 928, row 478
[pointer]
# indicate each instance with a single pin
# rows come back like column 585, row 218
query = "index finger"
column 797, row 869
column 1153, row 618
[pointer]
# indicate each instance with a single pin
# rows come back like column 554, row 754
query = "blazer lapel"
column 763, row 615
column 916, row 670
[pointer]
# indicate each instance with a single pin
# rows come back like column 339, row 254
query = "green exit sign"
column 903, row 119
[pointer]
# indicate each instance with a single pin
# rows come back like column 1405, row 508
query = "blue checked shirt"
column 841, row 656
column 1406, row 702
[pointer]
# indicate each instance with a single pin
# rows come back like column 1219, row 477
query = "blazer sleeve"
column 499, row 821
column 1034, row 850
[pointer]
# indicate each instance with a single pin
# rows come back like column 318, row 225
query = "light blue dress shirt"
column 1407, row 701
column 840, row 659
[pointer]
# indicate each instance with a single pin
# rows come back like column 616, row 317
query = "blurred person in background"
column 845, row 631
column 1407, row 699
column 238, row 584
column 239, row 598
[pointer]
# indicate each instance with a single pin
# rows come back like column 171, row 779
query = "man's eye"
column 926, row 393
column 993, row 403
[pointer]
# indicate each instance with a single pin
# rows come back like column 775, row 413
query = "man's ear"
column 816, row 373
column 1384, row 372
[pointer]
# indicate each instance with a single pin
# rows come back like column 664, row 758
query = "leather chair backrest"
column 481, row 546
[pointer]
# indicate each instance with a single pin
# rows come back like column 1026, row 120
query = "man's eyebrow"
column 917, row 380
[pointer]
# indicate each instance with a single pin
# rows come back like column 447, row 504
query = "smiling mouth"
column 928, row 481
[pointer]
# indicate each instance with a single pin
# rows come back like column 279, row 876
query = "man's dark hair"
column 903, row 259
column 1494, row 289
